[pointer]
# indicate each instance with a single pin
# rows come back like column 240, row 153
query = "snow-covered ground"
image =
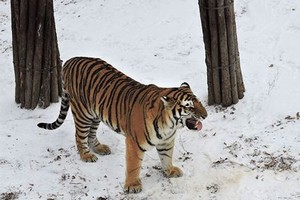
column 247, row 151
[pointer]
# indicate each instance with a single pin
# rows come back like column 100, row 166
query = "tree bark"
column 212, row 18
column 207, row 41
column 224, row 76
column 15, row 20
column 37, row 64
column 229, row 14
column 38, row 59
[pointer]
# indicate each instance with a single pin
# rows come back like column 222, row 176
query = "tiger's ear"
column 169, row 102
column 185, row 84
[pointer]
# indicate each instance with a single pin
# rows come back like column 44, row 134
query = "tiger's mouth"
column 193, row 124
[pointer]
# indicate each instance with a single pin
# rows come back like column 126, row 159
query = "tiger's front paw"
column 173, row 172
column 88, row 157
column 134, row 187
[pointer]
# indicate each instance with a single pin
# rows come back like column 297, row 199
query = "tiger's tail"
column 62, row 114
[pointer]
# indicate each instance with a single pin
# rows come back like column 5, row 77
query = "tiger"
column 147, row 115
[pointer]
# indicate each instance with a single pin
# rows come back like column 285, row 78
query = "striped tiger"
column 148, row 116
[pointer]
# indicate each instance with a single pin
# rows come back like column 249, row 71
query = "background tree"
column 224, row 76
column 36, row 59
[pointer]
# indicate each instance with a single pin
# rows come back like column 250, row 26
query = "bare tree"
column 224, row 76
column 36, row 59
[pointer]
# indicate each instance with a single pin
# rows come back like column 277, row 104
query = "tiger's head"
column 185, row 108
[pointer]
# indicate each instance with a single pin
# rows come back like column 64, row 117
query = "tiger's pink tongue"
column 198, row 125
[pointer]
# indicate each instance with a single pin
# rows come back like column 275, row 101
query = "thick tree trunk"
column 35, row 52
column 224, row 76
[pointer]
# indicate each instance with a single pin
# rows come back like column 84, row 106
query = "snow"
column 247, row 151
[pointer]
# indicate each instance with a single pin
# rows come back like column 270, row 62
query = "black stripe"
column 81, row 137
column 155, row 125
column 165, row 149
column 143, row 150
column 138, row 144
column 170, row 136
column 148, row 139
column 163, row 154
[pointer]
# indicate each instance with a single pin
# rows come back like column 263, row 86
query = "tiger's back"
column 98, row 90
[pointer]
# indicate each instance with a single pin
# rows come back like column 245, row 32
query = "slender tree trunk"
column 37, row 64
column 224, row 76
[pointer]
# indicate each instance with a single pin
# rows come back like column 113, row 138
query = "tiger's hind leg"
column 82, row 126
column 99, row 148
